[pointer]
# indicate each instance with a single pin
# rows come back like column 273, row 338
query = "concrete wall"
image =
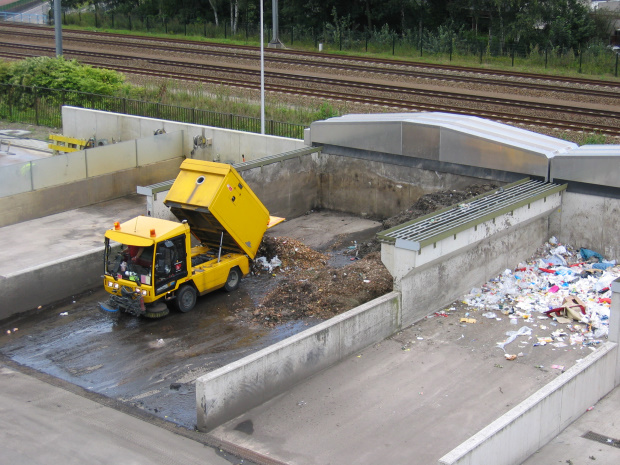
column 589, row 221
column 75, row 166
column 291, row 187
column 288, row 188
column 50, row 282
column 43, row 202
column 226, row 145
column 231, row 390
column 519, row 433
column 379, row 190
column 442, row 281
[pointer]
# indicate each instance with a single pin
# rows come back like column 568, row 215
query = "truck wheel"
column 234, row 278
column 186, row 298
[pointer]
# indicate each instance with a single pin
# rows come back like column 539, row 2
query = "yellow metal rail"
column 65, row 144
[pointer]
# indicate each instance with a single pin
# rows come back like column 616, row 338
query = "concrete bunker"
column 388, row 178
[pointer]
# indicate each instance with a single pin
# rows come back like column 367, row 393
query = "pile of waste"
column 321, row 291
column 283, row 253
column 566, row 289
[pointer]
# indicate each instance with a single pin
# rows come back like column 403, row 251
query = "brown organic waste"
column 308, row 287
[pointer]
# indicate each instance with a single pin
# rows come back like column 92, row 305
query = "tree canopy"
column 556, row 23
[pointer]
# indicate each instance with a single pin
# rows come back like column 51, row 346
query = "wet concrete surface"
column 153, row 364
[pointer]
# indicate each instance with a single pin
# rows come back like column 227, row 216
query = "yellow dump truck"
column 152, row 265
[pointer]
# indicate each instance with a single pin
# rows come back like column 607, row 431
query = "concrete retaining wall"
column 50, row 282
column 231, row 390
column 440, row 282
column 225, row 145
column 379, row 190
column 519, row 433
column 89, row 191
column 589, row 221
column 290, row 188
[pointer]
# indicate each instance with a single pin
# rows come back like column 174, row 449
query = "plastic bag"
column 555, row 260
column 512, row 335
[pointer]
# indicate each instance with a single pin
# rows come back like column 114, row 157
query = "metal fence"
column 442, row 46
column 43, row 107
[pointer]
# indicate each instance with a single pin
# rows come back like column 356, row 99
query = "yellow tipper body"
column 219, row 206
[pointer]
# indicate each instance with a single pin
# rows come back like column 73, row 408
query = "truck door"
column 170, row 264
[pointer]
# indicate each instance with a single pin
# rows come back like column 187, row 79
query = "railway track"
column 343, row 62
column 402, row 98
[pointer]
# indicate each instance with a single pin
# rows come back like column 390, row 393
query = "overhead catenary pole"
column 262, row 72
column 275, row 40
column 58, row 27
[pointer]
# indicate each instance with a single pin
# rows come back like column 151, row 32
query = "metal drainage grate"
column 452, row 220
column 602, row 439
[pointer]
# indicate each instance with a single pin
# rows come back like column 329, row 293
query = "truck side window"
column 170, row 260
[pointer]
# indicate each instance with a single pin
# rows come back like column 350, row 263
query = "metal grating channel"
column 602, row 439
column 452, row 220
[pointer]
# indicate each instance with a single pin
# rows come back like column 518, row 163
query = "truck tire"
column 186, row 298
column 233, row 280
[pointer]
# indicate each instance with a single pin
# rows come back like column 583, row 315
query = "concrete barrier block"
column 108, row 159
column 130, row 127
column 48, row 282
column 107, row 126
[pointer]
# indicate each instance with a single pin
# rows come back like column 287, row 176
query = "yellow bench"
column 60, row 143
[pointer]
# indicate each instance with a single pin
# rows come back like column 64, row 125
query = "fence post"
column 451, row 39
column 580, row 61
column 205, row 29
column 340, row 31
column 616, row 64
column 292, row 34
column 147, row 23
column 36, row 107
column 366, row 41
column 393, row 44
column 225, row 30
column 11, row 102
column 129, row 17
column 545, row 57
column 513, row 55
column 481, row 47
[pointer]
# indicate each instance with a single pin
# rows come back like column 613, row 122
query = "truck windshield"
column 124, row 261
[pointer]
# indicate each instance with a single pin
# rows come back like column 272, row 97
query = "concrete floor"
column 46, row 424
column 410, row 399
